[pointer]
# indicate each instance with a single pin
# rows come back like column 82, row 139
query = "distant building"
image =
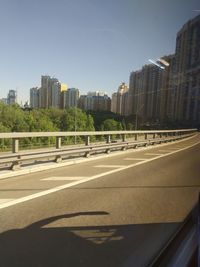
column 49, row 95
column 171, row 94
column 71, row 97
column 55, row 95
column 149, row 91
column 187, row 78
column 12, row 97
column 120, row 100
column 95, row 101
column 34, row 97
column 114, row 103
column 47, row 92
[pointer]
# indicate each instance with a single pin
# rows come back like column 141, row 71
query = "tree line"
column 15, row 119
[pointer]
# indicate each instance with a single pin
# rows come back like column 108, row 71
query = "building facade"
column 170, row 94
column 12, row 97
column 71, row 97
column 95, row 101
column 120, row 100
column 187, row 78
column 34, row 97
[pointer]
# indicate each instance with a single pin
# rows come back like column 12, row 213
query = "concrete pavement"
column 116, row 211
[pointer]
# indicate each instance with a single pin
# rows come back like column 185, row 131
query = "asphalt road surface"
column 115, row 211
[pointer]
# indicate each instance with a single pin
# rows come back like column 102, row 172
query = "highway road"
column 119, row 210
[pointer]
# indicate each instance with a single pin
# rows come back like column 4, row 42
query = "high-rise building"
column 95, row 101
column 120, row 100
column 71, row 97
column 34, row 97
column 12, row 97
column 45, row 93
column 149, row 91
column 187, row 78
column 114, row 103
column 137, row 92
column 55, row 95
column 171, row 94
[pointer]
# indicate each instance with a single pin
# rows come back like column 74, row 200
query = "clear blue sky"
column 89, row 44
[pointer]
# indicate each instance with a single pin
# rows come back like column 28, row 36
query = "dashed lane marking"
column 61, row 178
column 109, row 166
column 164, row 150
column 154, row 154
column 175, row 148
column 135, row 159
column 74, row 183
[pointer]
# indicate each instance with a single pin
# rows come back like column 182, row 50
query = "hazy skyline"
column 88, row 44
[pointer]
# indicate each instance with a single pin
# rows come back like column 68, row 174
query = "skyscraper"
column 12, row 97
column 120, row 100
column 171, row 94
column 187, row 79
column 95, row 101
column 71, row 97
column 34, row 97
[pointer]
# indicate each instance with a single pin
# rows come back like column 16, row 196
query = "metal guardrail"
column 16, row 157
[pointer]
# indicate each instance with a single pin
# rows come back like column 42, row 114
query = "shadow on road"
column 40, row 245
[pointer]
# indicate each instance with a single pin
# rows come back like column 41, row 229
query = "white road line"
column 134, row 159
column 109, row 166
column 58, row 188
column 3, row 200
column 174, row 148
column 163, row 150
column 61, row 178
column 153, row 154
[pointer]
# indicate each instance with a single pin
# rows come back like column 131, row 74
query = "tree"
column 74, row 119
column 111, row 125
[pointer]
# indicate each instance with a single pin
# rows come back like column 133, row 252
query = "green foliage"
column 74, row 119
column 14, row 119
column 111, row 125
column 100, row 116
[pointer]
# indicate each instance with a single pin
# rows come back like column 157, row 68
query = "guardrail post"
column 145, row 136
column 58, row 142
column 123, row 137
column 108, row 139
column 58, row 159
column 15, row 145
column 154, row 136
column 160, row 135
column 87, row 140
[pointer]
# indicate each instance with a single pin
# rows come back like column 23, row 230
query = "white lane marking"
column 153, row 154
column 164, row 150
column 174, row 148
column 61, row 178
column 109, row 166
column 135, row 159
column 58, row 188
column 3, row 200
